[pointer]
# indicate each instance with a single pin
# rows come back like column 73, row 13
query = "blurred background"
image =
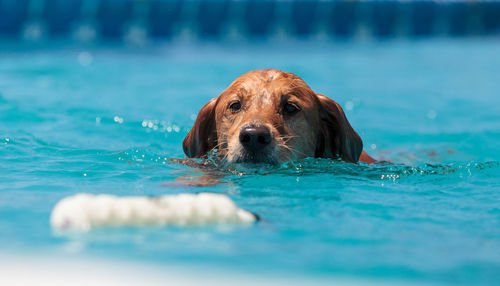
column 142, row 21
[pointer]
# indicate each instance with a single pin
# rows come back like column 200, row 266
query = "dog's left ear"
column 337, row 137
column 203, row 136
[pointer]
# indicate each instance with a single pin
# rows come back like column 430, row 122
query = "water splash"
column 381, row 171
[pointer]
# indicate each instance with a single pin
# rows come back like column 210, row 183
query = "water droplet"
column 373, row 146
column 85, row 59
column 118, row 119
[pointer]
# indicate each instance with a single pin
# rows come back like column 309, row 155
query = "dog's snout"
column 254, row 138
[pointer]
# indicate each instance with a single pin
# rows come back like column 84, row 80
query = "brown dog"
column 272, row 116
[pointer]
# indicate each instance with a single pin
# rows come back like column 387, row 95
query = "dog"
column 271, row 116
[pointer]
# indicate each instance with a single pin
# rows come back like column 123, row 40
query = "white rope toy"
column 86, row 211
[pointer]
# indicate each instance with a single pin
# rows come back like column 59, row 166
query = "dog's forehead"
column 268, row 76
column 267, row 83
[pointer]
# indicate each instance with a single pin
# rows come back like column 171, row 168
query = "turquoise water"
column 105, row 120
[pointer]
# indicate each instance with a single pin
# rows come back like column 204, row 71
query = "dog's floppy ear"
column 337, row 138
column 203, row 136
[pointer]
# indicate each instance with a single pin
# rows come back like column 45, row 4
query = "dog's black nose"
column 254, row 138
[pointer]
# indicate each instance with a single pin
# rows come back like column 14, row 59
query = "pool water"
column 104, row 119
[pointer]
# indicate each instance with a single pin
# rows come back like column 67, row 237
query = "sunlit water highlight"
column 107, row 121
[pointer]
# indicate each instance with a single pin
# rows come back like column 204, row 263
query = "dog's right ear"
column 203, row 136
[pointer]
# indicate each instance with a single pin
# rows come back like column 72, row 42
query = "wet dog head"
column 272, row 116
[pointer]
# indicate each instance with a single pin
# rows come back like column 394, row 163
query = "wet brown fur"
column 319, row 129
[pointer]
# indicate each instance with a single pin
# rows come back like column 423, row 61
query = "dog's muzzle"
column 255, row 139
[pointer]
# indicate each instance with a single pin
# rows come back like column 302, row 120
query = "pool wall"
column 138, row 21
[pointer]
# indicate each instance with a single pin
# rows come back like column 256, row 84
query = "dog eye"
column 290, row 108
column 235, row 106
